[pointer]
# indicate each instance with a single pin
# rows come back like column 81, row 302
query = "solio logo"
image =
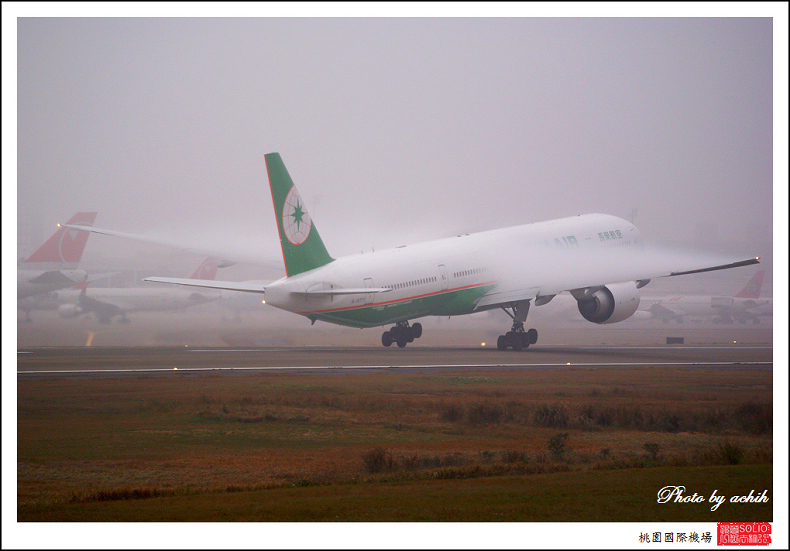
column 296, row 220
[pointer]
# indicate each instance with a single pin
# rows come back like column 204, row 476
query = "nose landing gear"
column 517, row 338
column 402, row 334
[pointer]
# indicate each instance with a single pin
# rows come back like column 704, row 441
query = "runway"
column 186, row 361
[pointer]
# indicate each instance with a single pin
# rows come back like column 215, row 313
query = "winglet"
column 303, row 249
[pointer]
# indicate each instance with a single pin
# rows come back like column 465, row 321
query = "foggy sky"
column 396, row 130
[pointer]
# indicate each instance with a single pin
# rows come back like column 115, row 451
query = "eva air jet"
column 598, row 258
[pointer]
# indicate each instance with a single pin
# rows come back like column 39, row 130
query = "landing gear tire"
column 402, row 334
column 517, row 338
column 516, row 341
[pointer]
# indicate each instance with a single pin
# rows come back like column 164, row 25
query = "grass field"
column 509, row 445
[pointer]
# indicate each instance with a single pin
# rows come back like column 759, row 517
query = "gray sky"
column 395, row 130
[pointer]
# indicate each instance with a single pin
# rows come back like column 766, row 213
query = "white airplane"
column 598, row 258
column 54, row 265
column 107, row 303
column 745, row 306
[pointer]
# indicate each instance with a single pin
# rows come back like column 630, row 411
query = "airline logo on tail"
column 303, row 249
column 296, row 220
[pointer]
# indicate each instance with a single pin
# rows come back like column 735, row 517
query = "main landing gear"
column 517, row 338
column 402, row 334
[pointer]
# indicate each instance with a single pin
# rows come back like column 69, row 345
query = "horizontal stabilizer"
column 211, row 284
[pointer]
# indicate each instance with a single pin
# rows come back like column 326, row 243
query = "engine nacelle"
column 610, row 304
column 69, row 310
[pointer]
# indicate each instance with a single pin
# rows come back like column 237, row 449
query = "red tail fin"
column 753, row 287
column 207, row 270
column 67, row 244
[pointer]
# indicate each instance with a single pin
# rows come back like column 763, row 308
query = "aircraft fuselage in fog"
column 598, row 258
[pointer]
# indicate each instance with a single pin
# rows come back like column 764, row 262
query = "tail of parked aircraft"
column 302, row 247
column 67, row 244
column 207, row 270
column 753, row 288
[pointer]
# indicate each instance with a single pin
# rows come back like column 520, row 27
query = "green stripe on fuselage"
column 454, row 302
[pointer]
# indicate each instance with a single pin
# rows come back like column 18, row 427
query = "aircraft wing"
column 248, row 287
column 736, row 264
column 540, row 273
column 620, row 266
column 227, row 258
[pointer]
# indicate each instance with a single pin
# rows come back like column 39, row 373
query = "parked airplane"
column 598, row 258
column 54, row 265
column 107, row 303
column 745, row 306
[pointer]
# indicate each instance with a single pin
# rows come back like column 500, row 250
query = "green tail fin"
column 303, row 249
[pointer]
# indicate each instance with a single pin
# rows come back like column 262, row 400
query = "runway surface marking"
column 335, row 349
column 268, row 368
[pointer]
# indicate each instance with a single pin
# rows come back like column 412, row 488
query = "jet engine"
column 69, row 310
column 608, row 304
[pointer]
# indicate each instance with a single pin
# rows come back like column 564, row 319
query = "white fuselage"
column 448, row 276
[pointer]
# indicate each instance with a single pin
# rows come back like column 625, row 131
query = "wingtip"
column 739, row 264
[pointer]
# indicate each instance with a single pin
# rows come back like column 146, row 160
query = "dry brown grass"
column 96, row 440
